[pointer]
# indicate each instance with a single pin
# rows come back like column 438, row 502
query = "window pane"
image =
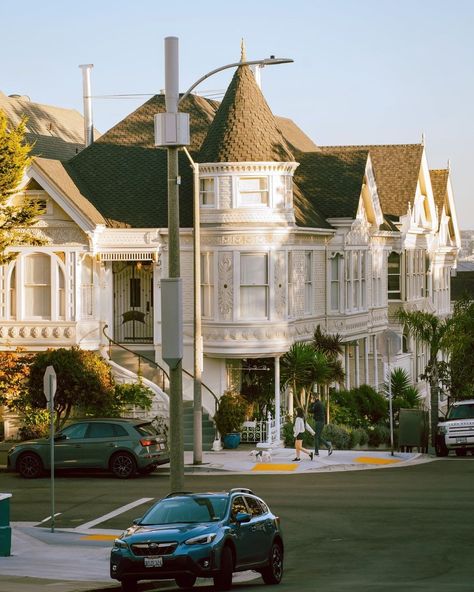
column 134, row 292
column 38, row 269
column 253, row 269
column 253, row 191
column 207, row 192
column 335, row 295
column 253, row 302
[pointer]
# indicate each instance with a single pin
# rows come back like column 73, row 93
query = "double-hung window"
column 253, row 285
column 38, row 286
column 253, row 191
column 207, row 284
column 394, row 269
column 308, row 282
column 207, row 191
column 335, row 281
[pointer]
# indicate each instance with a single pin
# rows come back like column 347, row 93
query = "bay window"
column 253, row 191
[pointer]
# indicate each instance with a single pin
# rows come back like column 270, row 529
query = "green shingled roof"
column 244, row 128
column 332, row 181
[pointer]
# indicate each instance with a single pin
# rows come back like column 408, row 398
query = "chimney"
column 86, row 92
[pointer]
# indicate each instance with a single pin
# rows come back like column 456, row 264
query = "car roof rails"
column 241, row 490
column 178, row 493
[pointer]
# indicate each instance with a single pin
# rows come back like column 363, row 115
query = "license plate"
column 153, row 561
column 461, row 440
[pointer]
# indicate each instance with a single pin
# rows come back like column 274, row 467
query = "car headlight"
column 203, row 539
column 119, row 544
column 442, row 430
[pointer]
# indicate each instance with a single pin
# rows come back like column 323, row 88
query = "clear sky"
column 365, row 71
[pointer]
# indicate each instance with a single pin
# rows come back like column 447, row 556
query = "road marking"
column 370, row 460
column 49, row 517
column 116, row 512
column 274, row 467
column 99, row 537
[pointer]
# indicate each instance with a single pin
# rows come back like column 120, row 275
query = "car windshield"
column 461, row 412
column 186, row 509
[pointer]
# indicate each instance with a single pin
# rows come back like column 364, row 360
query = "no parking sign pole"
column 49, row 389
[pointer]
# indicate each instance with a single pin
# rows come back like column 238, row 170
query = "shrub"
column 35, row 423
column 231, row 413
column 359, row 437
column 379, row 435
column 338, row 435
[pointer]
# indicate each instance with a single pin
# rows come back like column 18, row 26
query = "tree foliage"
column 15, row 220
column 84, row 382
column 14, row 372
column 461, row 344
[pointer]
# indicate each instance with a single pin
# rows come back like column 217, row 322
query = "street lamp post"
column 172, row 132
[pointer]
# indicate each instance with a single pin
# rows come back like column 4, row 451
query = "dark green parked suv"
column 122, row 446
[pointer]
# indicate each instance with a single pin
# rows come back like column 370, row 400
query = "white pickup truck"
column 456, row 432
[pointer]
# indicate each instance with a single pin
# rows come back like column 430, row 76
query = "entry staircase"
column 128, row 364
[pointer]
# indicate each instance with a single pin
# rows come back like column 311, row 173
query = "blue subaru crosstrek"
column 208, row 535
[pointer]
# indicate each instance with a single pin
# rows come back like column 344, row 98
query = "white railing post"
column 269, row 428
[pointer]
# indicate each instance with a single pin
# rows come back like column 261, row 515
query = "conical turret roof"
column 244, row 128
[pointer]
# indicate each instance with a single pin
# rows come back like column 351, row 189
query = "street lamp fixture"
column 172, row 132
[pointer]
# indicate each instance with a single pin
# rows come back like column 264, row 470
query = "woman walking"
column 298, row 431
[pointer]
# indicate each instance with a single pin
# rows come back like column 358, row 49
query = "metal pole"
column 390, row 406
column 51, row 431
column 176, row 385
column 277, row 400
column 197, row 382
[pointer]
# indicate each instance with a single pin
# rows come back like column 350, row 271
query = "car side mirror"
column 136, row 521
column 242, row 517
column 60, row 437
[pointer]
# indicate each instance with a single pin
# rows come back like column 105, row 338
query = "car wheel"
column 29, row 465
column 441, row 448
column 129, row 585
column 146, row 470
column 273, row 573
column 461, row 452
column 223, row 580
column 185, row 580
column 123, row 465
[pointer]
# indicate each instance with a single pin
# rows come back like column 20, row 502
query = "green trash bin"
column 5, row 529
column 413, row 429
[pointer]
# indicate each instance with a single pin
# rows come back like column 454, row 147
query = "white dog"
column 261, row 455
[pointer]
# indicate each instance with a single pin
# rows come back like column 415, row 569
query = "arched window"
column 38, row 286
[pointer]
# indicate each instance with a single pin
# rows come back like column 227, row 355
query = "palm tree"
column 430, row 330
column 332, row 347
column 302, row 367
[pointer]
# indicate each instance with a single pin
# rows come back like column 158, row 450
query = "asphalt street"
column 404, row 528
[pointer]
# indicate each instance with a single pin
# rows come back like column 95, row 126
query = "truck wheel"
column 441, row 448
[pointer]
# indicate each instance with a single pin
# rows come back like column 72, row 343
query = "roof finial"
column 422, row 138
column 243, row 54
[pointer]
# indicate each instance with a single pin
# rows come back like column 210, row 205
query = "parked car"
column 122, row 446
column 206, row 535
column 456, row 432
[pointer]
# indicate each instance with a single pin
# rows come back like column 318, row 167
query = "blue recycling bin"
column 5, row 529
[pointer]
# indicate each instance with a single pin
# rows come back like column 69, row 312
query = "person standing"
column 319, row 415
column 298, row 431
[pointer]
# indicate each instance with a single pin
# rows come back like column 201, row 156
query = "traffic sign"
column 49, row 383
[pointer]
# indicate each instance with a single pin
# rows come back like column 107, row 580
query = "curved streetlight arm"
column 265, row 62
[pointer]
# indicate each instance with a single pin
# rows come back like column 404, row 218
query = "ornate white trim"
column 225, row 294
column 246, row 167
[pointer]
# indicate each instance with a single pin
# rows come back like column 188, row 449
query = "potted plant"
column 230, row 416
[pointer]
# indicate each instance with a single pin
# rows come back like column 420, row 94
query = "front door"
column 133, row 301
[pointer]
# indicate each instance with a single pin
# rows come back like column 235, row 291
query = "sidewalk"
column 75, row 560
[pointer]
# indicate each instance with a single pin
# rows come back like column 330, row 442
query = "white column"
column 277, row 399
column 366, row 359
column 347, row 366
column 376, row 365
column 357, row 364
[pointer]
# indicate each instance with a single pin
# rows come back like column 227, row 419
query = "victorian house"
column 293, row 235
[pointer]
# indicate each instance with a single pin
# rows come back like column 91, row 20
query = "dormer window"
column 253, row 191
column 207, row 191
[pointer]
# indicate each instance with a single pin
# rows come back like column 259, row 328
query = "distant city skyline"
column 365, row 71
